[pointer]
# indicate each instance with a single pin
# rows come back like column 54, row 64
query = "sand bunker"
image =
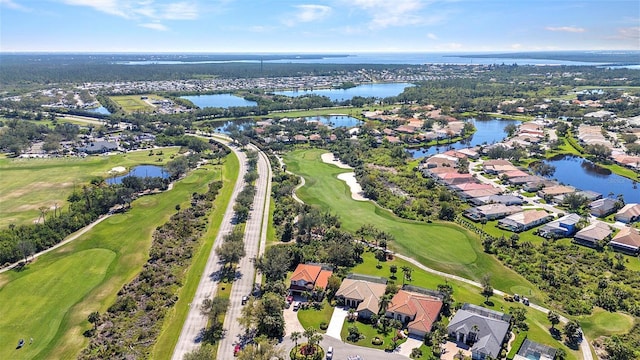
column 117, row 169
column 329, row 158
column 356, row 189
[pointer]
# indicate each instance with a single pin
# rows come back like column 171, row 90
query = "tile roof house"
column 603, row 207
column 307, row 277
column 628, row 214
column 485, row 330
column 626, row 241
column 418, row 311
column 491, row 211
column 562, row 227
column 525, row 220
column 362, row 294
column 498, row 199
column 592, row 234
column 552, row 191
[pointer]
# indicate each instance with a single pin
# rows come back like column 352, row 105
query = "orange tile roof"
column 424, row 309
column 308, row 273
column 323, row 278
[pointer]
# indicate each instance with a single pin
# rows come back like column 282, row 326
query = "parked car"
column 525, row 301
column 508, row 298
column 296, row 305
column 516, row 297
column 330, row 353
column 245, row 299
column 236, row 349
column 290, row 299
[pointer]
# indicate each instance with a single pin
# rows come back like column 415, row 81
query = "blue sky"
column 338, row 26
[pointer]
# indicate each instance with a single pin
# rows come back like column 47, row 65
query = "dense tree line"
column 131, row 325
column 85, row 205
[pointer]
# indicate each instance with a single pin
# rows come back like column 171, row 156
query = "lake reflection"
column 585, row 175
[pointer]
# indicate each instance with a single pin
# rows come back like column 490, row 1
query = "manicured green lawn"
column 28, row 184
column 134, row 103
column 312, row 318
column 127, row 237
column 35, row 304
column 369, row 333
column 176, row 316
column 440, row 245
column 602, row 322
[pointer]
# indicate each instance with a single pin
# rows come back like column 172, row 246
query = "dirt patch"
column 382, row 168
column 117, row 170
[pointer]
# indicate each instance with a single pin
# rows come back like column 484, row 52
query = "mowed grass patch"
column 128, row 236
column 312, row 318
column 28, row 184
column 602, row 322
column 177, row 315
column 135, row 103
column 440, row 245
column 35, row 304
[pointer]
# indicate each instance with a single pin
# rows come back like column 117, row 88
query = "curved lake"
column 585, row 175
column 487, row 132
column 100, row 110
column 218, row 100
column 365, row 90
column 141, row 171
column 336, row 120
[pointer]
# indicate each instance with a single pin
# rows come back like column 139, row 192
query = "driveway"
column 337, row 320
column 291, row 322
column 405, row 348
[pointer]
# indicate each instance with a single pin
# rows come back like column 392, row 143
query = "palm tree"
column 407, row 273
column 554, row 318
column 384, row 304
column 295, row 336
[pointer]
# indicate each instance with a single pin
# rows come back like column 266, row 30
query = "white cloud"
column 385, row 13
column 432, row 36
column 10, row 4
column 141, row 9
column 571, row 29
column 629, row 33
column 154, row 26
column 516, row 46
column 308, row 13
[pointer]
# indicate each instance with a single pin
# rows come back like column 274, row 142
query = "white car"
column 330, row 353
column 296, row 305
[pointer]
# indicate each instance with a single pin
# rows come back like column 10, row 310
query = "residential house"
column 497, row 199
column 626, row 241
column 628, row 214
column 307, row 277
column 525, row 220
column 415, row 309
column 485, row 330
column 362, row 293
column 551, row 191
column 593, row 234
column 535, row 185
column 479, row 193
column 603, row 207
column 98, row 147
column 530, row 350
column 562, row 227
column 491, row 211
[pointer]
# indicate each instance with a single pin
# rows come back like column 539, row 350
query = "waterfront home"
column 551, row 191
column 530, row 350
column 593, row 234
column 491, row 211
column 418, row 311
column 308, row 277
column 498, row 199
column 471, row 195
column 626, row 241
column 603, row 207
column 525, row 220
column 562, row 227
column 362, row 293
column 484, row 329
column 628, row 214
